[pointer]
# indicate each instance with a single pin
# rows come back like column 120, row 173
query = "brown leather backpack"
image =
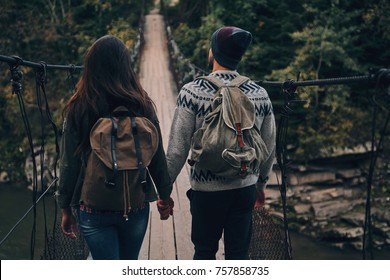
column 116, row 175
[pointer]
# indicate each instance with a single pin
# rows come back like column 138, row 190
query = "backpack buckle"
column 109, row 184
column 243, row 171
column 144, row 185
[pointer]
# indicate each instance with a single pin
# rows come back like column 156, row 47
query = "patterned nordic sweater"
column 193, row 104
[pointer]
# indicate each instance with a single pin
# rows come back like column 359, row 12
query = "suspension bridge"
column 164, row 239
column 170, row 240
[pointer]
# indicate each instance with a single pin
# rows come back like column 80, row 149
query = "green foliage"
column 57, row 32
column 319, row 39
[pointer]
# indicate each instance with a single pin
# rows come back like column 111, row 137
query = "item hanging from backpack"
column 116, row 176
column 228, row 143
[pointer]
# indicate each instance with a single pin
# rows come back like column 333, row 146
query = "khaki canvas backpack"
column 228, row 142
column 116, row 175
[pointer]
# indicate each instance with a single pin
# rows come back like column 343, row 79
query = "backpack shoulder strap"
column 238, row 81
column 138, row 152
column 214, row 80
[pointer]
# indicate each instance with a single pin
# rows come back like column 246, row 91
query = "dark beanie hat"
column 228, row 45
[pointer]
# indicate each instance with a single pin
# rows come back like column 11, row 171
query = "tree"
column 318, row 39
column 56, row 32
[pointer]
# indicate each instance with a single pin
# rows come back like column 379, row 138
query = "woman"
column 107, row 82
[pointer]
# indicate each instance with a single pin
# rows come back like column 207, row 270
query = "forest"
column 315, row 39
column 55, row 32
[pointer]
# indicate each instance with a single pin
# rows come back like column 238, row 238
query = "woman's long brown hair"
column 107, row 81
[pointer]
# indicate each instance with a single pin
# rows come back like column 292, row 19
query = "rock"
column 352, row 193
column 4, row 177
column 350, row 232
column 271, row 194
column 299, row 190
column 329, row 203
column 302, row 208
column 340, row 246
column 338, row 234
column 312, row 177
column 329, row 209
column 348, row 173
column 379, row 243
column 357, row 181
column 289, row 193
column 324, row 195
column 303, row 218
column 47, row 169
column 274, row 178
column 381, row 214
column 356, row 219
column 358, row 245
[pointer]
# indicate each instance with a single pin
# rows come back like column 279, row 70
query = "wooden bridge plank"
column 162, row 245
column 155, row 77
column 165, row 240
column 184, row 246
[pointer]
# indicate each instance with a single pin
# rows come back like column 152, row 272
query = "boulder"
column 329, row 209
column 311, row 177
column 4, row 177
column 302, row 208
column 355, row 219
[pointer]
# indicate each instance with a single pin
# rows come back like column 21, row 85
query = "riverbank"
column 16, row 200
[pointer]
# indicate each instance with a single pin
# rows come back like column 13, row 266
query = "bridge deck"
column 164, row 240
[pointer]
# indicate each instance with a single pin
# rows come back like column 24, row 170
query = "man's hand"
column 165, row 208
column 260, row 198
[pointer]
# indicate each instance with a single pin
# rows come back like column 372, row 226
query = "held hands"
column 260, row 199
column 165, row 208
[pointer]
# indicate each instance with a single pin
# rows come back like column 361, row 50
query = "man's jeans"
column 110, row 237
column 228, row 212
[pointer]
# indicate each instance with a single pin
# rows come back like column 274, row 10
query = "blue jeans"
column 110, row 236
column 224, row 212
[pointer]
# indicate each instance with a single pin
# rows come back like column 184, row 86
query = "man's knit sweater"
column 193, row 104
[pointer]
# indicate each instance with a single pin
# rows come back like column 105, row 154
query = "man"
column 219, row 205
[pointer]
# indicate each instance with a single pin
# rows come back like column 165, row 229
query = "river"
column 15, row 201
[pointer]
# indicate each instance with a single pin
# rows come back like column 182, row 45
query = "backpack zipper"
column 126, row 196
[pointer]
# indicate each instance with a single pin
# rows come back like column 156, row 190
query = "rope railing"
column 381, row 76
column 139, row 41
column 289, row 87
column 16, row 61
column 182, row 68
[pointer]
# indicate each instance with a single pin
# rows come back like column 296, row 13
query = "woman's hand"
column 68, row 224
column 165, row 208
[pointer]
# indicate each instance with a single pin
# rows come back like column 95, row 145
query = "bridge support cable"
column 381, row 77
column 41, row 69
column 382, row 80
column 16, row 77
column 382, row 90
column 17, row 88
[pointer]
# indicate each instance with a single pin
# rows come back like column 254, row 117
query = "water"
column 304, row 248
column 16, row 200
